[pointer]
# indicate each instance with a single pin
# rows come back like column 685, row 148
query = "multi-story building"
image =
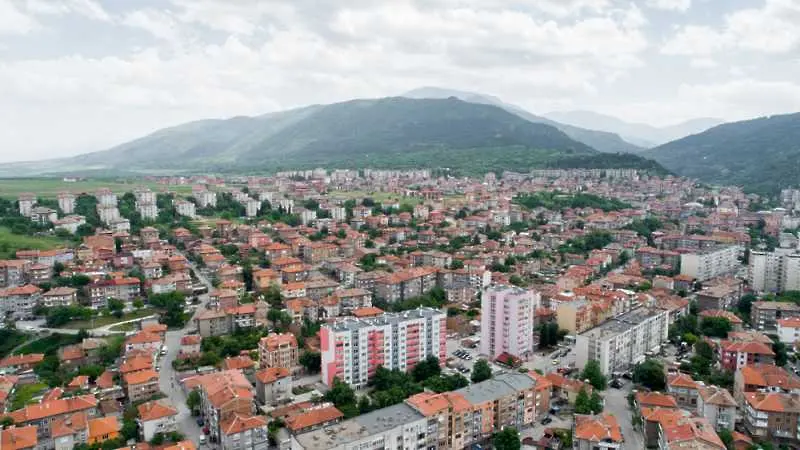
column 19, row 302
column 252, row 206
column 26, row 202
column 219, row 321
column 688, row 432
column 352, row 349
column 397, row 427
column 772, row 416
column 106, row 198
column 185, row 208
column 710, row 263
column 718, row 406
column 507, row 314
column 45, row 414
column 789, row 330
column 141, row 384
column 60, row 296
column 736, row 354
column 204, row 197
column 125, row 289
column 244, row 432
column 66, row 202
column 273, row 385
column 13, row 272
column 764, row 316
column 405, row 284
column 684, row 389
column 108, row 214
column 43, row 216
column 775, row 271
column 623, row 341
column 278, row 350
column 224, row 395
column 157, row 416
column 764, row 378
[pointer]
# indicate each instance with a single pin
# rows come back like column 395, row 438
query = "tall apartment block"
column 776, row 271
column 507, row 314
column 707, row 264
column 66, row 202
column 352, row 349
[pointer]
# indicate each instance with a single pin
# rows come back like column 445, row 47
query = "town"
column 352, row 309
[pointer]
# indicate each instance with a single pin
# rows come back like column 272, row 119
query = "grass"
column 25, row 393
column 48, row 344
column 10, row 242
column 50, row 187
column 10, row 339
column 102, row 321
column 124, row 327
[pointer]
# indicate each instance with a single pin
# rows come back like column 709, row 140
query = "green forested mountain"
column 390, row 132
column 763, row 155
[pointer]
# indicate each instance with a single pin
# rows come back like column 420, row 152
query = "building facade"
column 507, row 315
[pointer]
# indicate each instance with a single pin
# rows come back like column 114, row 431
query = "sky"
column 84, row 75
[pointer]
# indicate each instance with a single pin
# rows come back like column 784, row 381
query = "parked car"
column 546, row 420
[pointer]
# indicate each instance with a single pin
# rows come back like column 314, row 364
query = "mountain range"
column 640, row 134
column 389, row 132
column 763, row 154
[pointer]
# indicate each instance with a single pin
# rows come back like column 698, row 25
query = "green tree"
column 312, row 361
column 193, row 401
column 340, row 393
column 596, row 403
column 582, row 403
column 595, row 376
column 715, row 327
column 703, row 349
column 781, row 355
column 481, row 371
column 426, row 369
column 650, row 374
column 507, row 439
column 726, row 437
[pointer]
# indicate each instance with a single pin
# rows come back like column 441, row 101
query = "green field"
column 108, row 320
column 48, row 344
column 50, row 187
column 25, row 393
column 10, row 243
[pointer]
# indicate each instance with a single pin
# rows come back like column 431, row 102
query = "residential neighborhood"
column 345, row 309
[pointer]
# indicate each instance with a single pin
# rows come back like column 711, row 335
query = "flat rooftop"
column 621, row 323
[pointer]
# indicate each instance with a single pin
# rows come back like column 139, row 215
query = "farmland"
column 50, row 187
column 10, row 243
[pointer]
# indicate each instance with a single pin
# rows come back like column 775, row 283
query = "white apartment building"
column 776, row 271
column 507, row 314
column 623, row 341
column 253, row 206
column 147, row 210
column 352, row 348
column 106, row 198
column 26, row 202
column 396, row 427
column 707, row 264
column 789, row 330
column 66, row 202
column 185, row 208
column 204, row 197
column 108, row 214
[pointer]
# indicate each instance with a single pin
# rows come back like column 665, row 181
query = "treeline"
column 555, row 200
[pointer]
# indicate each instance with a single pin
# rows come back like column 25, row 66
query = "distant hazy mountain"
column 761, row 154
column 391, row 132
column 604, row 141
column 639, row 133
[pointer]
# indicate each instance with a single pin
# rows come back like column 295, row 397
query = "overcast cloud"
column 83, row 75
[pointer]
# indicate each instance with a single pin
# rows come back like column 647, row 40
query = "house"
column 278, row 350
column 43, row 415
column 735, row 321
column 789, row 330
column 144, row 341
column 683, row 389
column 567, row 388
column 693, row 432
column 764, row 378
column 8, row 384
column 243, row 363
column 102, row 429
column 19, row 363
column 19, row 438
column 273, row 385
column 600, row 431
column 157, row 416
column 244, row 432
column 69, row 431
column 190, row 344
column 718, row 406
column 141, row 385
column 313, row 418
column 223, row 395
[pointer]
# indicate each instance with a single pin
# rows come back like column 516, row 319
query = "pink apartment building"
column 352, row 349
column 507, row 321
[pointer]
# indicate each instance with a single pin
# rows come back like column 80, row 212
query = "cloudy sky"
column 82, row 75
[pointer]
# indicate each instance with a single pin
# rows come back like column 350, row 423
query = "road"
column 167, row 376
column 616, row 403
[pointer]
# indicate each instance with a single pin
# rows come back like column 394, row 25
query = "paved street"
column 617, row 404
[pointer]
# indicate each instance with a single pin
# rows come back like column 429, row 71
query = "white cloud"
column 13, row 20
column 158, row 23
column 770, row 29
column 86, row 8
column 670, row 5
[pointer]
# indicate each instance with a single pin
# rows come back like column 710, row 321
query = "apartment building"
column 224, row 395
column 19, row 302
column 218, row 322
column 278, row 350
column 352, row 348
column 141, row 384
column 789, row 330
column 775, row 271
column 684, row 389
column 711, row 263
column 185, row 208
column 244, row 432
column 125, row 289
column 273, row 385
column 764, row 316
column 718, row 406
column 772, row 416
column 405, row 284
column 507, row 316
column 737, row 354
column 623, row 341
column 689, row 432
column 157, row 416
column 397, row 427
column 47, row 413
column 764, row 378
column 13, row 272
